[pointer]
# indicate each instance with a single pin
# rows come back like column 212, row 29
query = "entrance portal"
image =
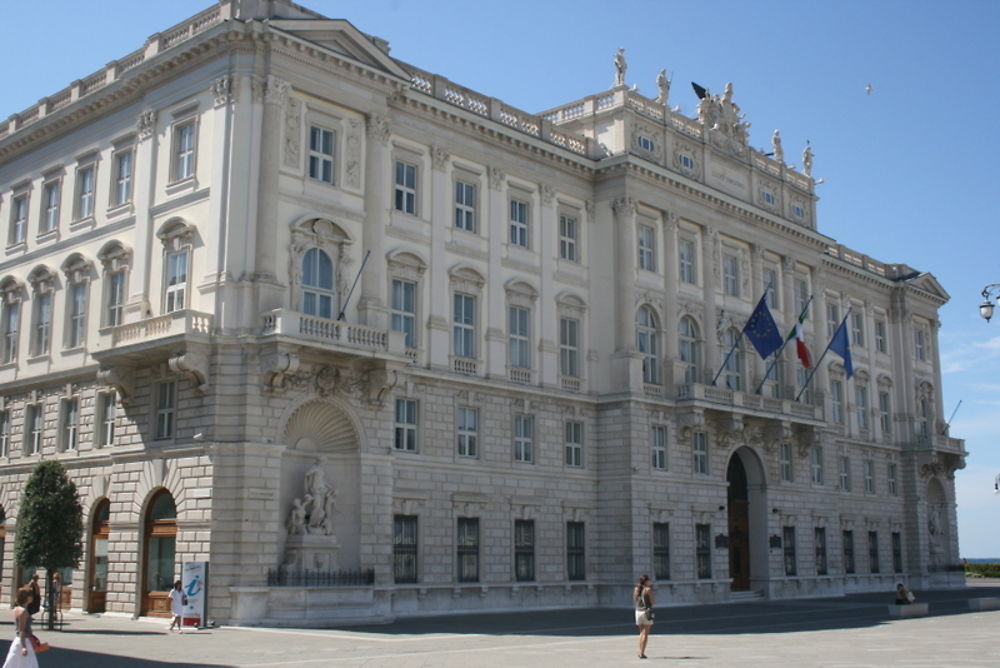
column 739, row 525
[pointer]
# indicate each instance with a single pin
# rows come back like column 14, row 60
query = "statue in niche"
column 807, row 160
column 297, row 519
column 313, row 512
column 663, row 83
column 779, row 153
column 620, row 67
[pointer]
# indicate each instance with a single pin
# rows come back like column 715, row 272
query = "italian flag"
column 800, row 341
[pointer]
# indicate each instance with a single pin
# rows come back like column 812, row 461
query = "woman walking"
column 644, row 602
column 177, row 601
column 22, row 652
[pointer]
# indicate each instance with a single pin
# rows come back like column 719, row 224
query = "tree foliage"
column 49, row 520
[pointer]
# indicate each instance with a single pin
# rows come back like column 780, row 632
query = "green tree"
column 49, row 524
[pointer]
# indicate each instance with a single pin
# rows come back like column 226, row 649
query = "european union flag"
column 762, row 331
column 840, row 345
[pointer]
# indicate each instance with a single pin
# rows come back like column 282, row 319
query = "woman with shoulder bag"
column 22, row 652
column 644, row 602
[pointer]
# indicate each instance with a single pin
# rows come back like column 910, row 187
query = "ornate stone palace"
column 374, row 344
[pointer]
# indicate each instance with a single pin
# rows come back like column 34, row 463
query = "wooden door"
column 739, row 544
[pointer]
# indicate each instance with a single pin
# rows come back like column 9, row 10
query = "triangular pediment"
column 928, row 283
column 339, row 36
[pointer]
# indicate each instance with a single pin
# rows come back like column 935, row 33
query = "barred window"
column 404, row 548
column 468, row 549
column 576, row 567
column 524, row 550
column 661, row 550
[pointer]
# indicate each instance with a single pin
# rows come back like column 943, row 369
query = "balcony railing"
column 336, row 332
column 465, row 366
column 734, row 399
column 176, row 323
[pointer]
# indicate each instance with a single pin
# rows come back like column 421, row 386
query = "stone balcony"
column 335, row 336
column 696, row 395
column 153, row 338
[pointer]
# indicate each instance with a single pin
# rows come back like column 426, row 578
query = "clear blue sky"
column 911, row 171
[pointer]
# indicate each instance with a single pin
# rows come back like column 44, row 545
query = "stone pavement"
column 851, row 631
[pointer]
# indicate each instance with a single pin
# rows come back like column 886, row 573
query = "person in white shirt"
column 177, row 600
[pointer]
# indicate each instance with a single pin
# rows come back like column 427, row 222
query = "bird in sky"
column 869, row 89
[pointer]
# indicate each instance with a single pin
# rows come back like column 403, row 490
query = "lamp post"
column 986, row 308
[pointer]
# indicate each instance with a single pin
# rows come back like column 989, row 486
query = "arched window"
column 646, row 343
column 317, row 284
column 734, row 365
column 100, row 531
column 687, row 344
column 160, row 567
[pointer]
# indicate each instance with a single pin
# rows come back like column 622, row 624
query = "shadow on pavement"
column 80, row 659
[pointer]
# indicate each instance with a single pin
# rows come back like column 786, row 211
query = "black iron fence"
column 281, row 578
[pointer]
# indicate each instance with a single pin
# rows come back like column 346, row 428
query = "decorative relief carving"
column 293, row 131
column 625, row 206
column 146, row 124
column 224, row 90
column 377, row 127
column 548, row 194
column 495, row 176
column 439, row 158
column 271, row 90
column 277, row 368
column 352, row 154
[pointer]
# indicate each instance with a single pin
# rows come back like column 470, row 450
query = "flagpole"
column 825, row 351
column 777, row 355
column 739, row 338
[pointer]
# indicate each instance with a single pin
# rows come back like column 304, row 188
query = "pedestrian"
column 644, row 602
column 903, row 595
column 21, row 653
column 177, row 601
column 36, row 601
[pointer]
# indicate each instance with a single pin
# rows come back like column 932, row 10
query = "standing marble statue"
column 620, row 67
column 663, row 83
column 779, row 153
column 807, row 160
column 316, row 491
column 297, row 519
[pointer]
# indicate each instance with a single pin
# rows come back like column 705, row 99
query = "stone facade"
column 517, row 405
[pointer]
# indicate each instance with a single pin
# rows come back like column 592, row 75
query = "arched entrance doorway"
column 160, row 545
column 100, row 529
column 747, row 509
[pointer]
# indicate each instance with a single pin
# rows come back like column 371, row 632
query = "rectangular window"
column 661, row 550
column 873, row 561
column 77, row 324
column 817, row 465
column 518, row 343
column 18, row 220
column 897, row 552
column 4, row 434
column 85, row 178
column 771, row 287
column 321, row 143
column 881, row 343
column 885, row 412
column 568, row 238
column 11, row 323
column 920, row 348
column 858, row 330
column 848, row 544
column 50, row 217
column 576, row 557
column 465, row 206
column 819, row 538
column 731, row 275
column 184, row 150
column 845, row 474
column 801, row 295
column 687, row 263
column 464, row 326
column 524, row 438
column 405, row 437
column 468, row 549
column 166, row 409
column 116, row 299
column 35, row 422
column 122, row 193
column 869, row 471
column 832, row 318
column 406, row 188
column 703, row 550
column 569, row 347
column 573, row 443
column 788, row 545
column 107, row 410
column 404, row 310
column 43, row 322
column 699, row 448
column 70, row 424
column 861, row 405
column 647, row 248
column 176, row 283
column 404, row 548
column 785, row 461
column 658, row 443
column 468, row 429
column 891, row 479
column 524, row 550
column 519, row 223
column 837, row 400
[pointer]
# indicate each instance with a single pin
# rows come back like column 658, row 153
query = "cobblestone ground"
column 853, row 631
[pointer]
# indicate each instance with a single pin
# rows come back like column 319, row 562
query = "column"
column 493, row 309
column 139, row 306
column 789, row 313
column 671, row 281
column 625, row 373
column 711, row 265
column 272, row 92
column 371, row 302
column 545, row 311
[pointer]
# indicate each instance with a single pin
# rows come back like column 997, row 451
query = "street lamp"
column 986, row 308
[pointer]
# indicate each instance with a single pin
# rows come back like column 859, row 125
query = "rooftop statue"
column 720, row 113
column 663, row 83
column 807, row 160
column 779, row 153
column 620, row 67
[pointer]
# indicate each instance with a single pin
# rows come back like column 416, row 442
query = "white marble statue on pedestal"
column 312, row 513
column 620, row 67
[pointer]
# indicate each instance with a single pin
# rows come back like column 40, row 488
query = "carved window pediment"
column 115, row 256
column 77, row 268
column 42, row 279
column 11, row 290
column 466, row 279
column 176, row 233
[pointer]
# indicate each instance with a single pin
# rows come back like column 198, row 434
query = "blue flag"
column 840, row 345
column 762, row 331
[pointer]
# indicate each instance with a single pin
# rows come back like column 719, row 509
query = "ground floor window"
column 848, row 540
column 788, row 541
column 703, row 550
column 820, row 540
column 575, row 554
column 524, row 550
column 661, row 550
column 468, row 549
column 897, row 552
column 404, row 548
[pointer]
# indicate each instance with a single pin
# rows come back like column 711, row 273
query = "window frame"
column 69, row 424
column 816, row 465
column 524, row 550
column 819, row 543
column 34, row 428
column 406, row 425
column 465, row 332
column 403, row 319
column 730, row 275
column 314, row 296
column 858, row 330
column 467, row 432
column 405, row 548
column 569, row 350
column 576, row 550
column 788, row 548
column 661, row 550
column 881, row 336
column 699, row 452
column 868, row 469
column 688, row 348
column 785, row 463
column 892, row 479
column 466, row 211
column 184, row 153
column 467, row 542
column 524, row 438
column 165, row 410
column 42, row 319
column 10, row 322
column 122, row 184
column 20, row 205
column 77, row 304
column 519, row 336
column 647, row 343
column 658, row 443
column 844, row 472
column 861, row 405
column 847, row 546
column 175, row 291
column 687, row 261
column 5, row 433
column 321, row 164
column 646, row 247
column 703, row 551
column 107, row 413
column 48, row 222
column 837, row 401
column 406, row 182
column 519, row 222
column 573, row 444
column 569, row 238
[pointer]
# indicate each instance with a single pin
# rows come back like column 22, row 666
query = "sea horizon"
column 980, row 560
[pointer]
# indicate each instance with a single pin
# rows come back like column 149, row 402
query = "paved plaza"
column 853, row 631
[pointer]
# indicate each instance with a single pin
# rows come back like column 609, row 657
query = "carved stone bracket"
column 276, row 370
column 121, row 379
column 224, row 90
column 194, row 365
